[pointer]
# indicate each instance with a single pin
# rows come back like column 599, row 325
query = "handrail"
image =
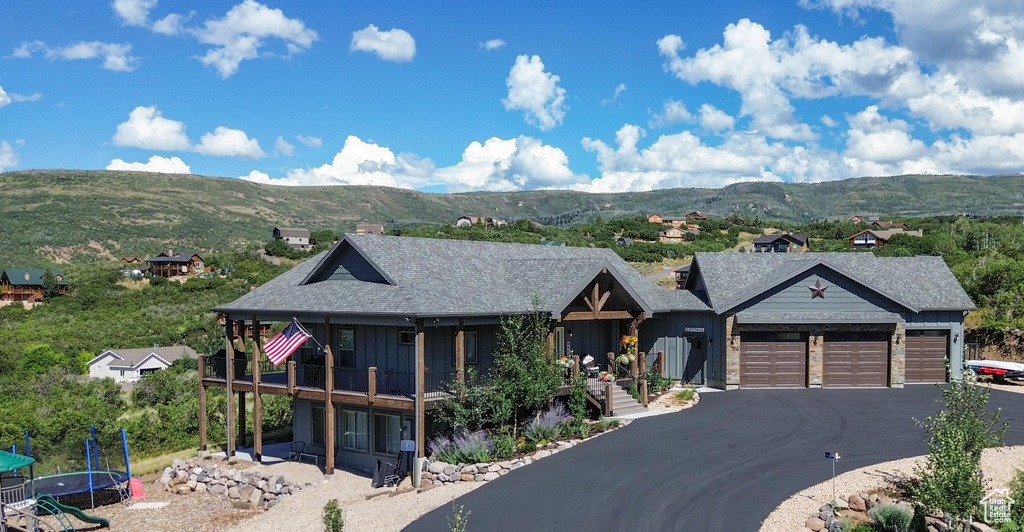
column 13, row 494
column 311, row 375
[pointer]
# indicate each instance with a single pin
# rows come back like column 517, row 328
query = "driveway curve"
column 722, row 466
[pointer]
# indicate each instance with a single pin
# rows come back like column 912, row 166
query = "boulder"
column 466, row 477
column 505, row 465
column 183, row 489
column 217, row 489
column 449, row 470
column 815, row 524
column 840, row 504
column 490, row 476
column 857, row 503
column 245, row 491
column 233, row 492
column 494, row 468
column 482, row 466
column 825, row 514
column 516, row 465
column 443, row 477
column 196, row 470
column 470, row 469
column 192, row 484
column 938, row 524
column 437, row 467
column 165, row 479
column 256, row 497
column 201, row 487
column 541, row 454
column 279, row 480
column 981, row 527
column 478, row 477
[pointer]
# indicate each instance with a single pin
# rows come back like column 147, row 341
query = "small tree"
column 332, row 518
column 951, row 478
column 50, row 285
column 525, row 375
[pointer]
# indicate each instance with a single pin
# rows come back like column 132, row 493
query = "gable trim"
column 589, row 277
column 102, row 355
column 335, row 251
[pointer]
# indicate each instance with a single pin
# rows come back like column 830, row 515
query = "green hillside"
column 62, row 215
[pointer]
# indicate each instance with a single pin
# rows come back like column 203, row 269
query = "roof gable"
column 345, row 263
column 31, row 276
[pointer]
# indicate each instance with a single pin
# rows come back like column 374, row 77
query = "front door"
column 696, row 357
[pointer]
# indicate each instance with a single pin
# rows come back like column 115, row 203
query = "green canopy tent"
column 12, row 484
column 13, row 462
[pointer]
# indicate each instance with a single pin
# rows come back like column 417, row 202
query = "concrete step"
column 628, row 410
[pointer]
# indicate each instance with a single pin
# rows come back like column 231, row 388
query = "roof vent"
column 27, row 276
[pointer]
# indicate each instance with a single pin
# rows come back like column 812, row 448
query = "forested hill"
column 58, row 215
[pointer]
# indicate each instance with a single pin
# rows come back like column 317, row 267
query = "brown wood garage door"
column 926, row 356
column 773, row 360
column 856, row 360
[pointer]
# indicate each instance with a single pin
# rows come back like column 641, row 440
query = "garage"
column 856, row 360
column 926, row 356
column 773, row 360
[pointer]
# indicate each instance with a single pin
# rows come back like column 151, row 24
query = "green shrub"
column 547, row 426
column 685, row 395
column 504, row 446
column 158, row 281
column 332, row 517
column 891, row 518
column 1016, row 486
column 577, row 408
column 468, row 448
column 656, row 383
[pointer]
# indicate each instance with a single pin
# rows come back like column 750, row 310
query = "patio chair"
column 297, row 449
column 589, row 366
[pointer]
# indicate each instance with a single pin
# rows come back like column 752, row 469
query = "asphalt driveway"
column 723, row 465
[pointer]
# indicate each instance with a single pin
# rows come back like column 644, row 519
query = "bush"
column 468, row 448
column 332, row 518
column 1016, row 486
column 605, row 424
column 685, row 395
column 957, row 434
column 504, row 446
column 891, row 518
column 656, row 383
column 158, row 281
column 577, row 408
column 547, row 426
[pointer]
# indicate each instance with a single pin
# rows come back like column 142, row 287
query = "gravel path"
column 998, row 465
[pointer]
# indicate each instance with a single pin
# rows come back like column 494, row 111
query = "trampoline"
column 79, row 482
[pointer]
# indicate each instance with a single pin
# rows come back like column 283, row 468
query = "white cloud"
column 156, row 163
column 828, row 121
column 4, row 98
column 874, row 138
column 147, row 128
column 391, row 45
column 312, row 142
column 714, row 119
column 672, row 112
column 619, row 89
column 492, row 44
column 8, row 157
column 242, row 32
column 34, row 97
column 116, row 57
column 133, row 12
column 536, row 93
column 283, row 147
column 173, row 24
column 225, row 141
column 358, row 163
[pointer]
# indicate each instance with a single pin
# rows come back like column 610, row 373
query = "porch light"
column 956, row 337
column 898, row 338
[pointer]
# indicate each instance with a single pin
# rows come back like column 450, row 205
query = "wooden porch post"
column 291, row 377
column 229, row 330
column 328, row 401
column 608, row 408
column 575, row 367
column 371, row 384
column 202, row 404
column 642, row 362
column 661, row 364
column 241, row 418
column 421, row 347
column 257, row 401
column 460, row 352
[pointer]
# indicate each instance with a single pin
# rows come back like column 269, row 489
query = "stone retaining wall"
column 243, row 489
column 440, row 473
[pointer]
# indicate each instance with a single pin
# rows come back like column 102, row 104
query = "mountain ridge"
column 53, row 216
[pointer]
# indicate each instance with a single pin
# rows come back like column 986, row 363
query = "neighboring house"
column 175, row 264
column 19, row 284
column 655, row 218
column 133, row 260
column 662, row 220
column 682, row 273
column 624, row 241
column 673, row 235
column 875, row 238
column 129, row 365
column 696, row 215
column 296, row 238
column 402, row 318
column 783, row 243
column 369, row 229
column 466, row 221
column 882, row 224
column 856, row 219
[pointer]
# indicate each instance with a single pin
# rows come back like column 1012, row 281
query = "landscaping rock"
column 471, row 469
column 840, row 504
column 233, row 492
column 490, row 476
column 494, row 468
column 815, row 524
column 201, row 487
column 505, row 465
column 466, row 477
column 183, row 489
column 541, row 454
column 857, row 503
column 437, row 467
column 449, row 470
column 938, row 524
column 981, row 527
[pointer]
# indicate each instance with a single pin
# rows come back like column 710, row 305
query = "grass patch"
column 157, row 463
column 686, row 395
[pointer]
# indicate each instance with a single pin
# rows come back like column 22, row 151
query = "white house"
column 128, row 365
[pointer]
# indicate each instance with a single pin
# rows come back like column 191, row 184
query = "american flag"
column 286, row 342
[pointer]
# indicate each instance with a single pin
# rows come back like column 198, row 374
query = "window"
column 560, row 345
column 346, row 348
column 472, row 356
column 387, row 433
column 406, row 336
column 355, row 433
column 317, row 426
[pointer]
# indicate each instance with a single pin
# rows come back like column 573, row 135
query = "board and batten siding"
column 596, row 338
column 841, row 294
column 440, row 344
column 950, row 321
column 668, row 333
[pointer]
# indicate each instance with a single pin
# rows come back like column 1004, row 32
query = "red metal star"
column 817, row 290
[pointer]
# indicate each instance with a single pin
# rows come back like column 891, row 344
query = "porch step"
column 623, row 404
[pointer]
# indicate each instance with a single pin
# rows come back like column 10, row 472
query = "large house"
column 175, row 264
column 296, row 238
column 369, row 229
column 876, row 238
column 20, row 284
column 129, row 365
column 883, row 224
column 399, row 319
column 783, row 243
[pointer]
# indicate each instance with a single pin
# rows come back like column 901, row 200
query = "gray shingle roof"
column 178, row 256
column 919, row 283
column 818, row 317
column 132, row 357
column 434, row 277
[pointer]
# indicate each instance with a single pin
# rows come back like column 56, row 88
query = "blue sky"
column 473, row 96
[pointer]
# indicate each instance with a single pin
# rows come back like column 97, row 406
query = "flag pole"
column 311, row 337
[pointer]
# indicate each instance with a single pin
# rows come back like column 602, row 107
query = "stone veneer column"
column 815, row 358
column 732, row 354
column 898, row 357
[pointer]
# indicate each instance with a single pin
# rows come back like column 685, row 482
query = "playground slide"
column 45, row 500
